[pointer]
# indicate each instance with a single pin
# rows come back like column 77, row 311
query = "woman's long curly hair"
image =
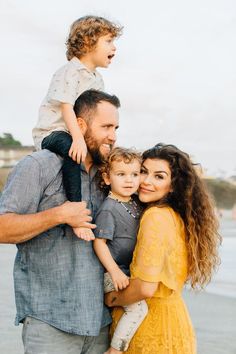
column 191, row 200
column 85, row 32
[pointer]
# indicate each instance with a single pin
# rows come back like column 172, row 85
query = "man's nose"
column 112, row 135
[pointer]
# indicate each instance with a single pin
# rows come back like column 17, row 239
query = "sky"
column 174, row 71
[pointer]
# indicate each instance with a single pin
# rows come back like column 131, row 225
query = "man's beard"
column 93, row 148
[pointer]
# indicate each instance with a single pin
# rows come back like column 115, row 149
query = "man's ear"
column 82, row 125
column 106, row 178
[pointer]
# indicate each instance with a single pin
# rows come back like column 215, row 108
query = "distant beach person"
column 90, row 45
column 117, row 222
column 177, row 243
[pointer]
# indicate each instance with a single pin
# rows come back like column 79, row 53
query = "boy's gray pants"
column 129, row 322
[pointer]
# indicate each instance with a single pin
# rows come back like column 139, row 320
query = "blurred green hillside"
column 7, row 140
column 223, row 192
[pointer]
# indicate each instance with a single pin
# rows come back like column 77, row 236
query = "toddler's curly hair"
column 85, row 32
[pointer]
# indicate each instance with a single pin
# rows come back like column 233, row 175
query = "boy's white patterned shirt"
column 67, row 84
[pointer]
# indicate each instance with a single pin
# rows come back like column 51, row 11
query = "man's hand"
column 78, row 150
column 75, row 214
column 17, row 228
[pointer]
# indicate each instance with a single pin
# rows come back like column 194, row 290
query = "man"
column 58, row 279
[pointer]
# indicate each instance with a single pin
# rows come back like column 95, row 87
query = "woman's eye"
column 142, row 172
column 159, row 177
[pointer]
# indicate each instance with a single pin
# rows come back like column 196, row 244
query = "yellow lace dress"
column 161, row 256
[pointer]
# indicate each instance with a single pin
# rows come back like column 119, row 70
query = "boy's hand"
column 120, row 280
column 84, row 233
column 78, row 150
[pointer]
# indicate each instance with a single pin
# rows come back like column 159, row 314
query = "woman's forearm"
column 137, row 290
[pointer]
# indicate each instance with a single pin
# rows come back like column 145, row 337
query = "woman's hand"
column 110, row 298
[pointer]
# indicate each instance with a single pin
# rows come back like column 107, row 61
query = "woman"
column 177, row 243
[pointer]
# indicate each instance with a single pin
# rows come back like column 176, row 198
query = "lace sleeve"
column 155, row 245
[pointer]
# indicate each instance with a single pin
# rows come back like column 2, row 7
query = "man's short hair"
column 86, row 104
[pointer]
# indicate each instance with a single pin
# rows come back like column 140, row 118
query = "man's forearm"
column 16, row 228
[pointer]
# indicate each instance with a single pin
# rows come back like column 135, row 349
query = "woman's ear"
column 82, row 125
column 106, row 178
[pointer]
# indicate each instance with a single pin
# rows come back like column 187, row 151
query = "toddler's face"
column 124, row 178
column 104, row 51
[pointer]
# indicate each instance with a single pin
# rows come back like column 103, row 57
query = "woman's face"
column 155, row 180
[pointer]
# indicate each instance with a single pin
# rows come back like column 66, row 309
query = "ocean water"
column 224, row 281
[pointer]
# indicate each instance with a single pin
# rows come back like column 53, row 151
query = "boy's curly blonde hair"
column 85, row 32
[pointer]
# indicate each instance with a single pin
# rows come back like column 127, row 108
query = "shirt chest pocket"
column 52, row 198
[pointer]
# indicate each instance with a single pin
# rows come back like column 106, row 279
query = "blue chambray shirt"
column 58, row 278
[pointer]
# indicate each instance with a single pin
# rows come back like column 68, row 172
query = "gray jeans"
column 40, row 338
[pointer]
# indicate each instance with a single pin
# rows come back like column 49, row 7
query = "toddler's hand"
column 84, row 233
column 120, row 280
column 78, row 150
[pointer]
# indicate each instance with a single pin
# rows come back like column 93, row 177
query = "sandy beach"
column 214, row 320
column 213, row 316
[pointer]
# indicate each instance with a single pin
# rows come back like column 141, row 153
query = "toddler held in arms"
column 117, row 223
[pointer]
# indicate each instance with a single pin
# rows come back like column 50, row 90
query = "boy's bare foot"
column 113, row 351
column 84, row 233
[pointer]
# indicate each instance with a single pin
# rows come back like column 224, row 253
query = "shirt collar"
column 92, row 172
column 81, row 66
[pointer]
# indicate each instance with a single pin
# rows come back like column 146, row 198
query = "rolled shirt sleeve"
column 105, row 225
column 153, row 259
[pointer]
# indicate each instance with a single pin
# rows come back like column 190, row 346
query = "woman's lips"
column 144, row 190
